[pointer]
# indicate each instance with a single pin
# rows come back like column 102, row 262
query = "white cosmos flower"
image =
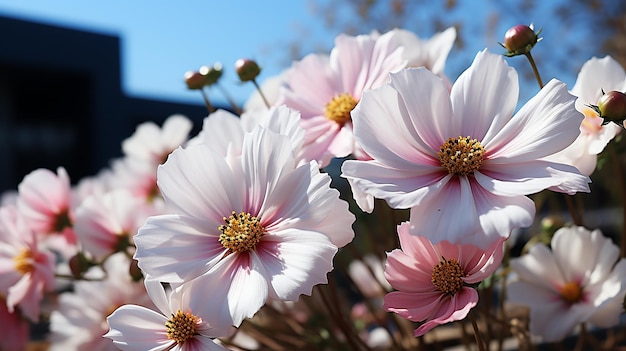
column 578, row 281
column 460, row 159
column 248, row 227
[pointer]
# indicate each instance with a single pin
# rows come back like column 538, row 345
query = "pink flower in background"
column 80, row 320
column 581, row 280
column 250, row 228
column 325, row 89
column 152, row 143
column 106, row 223
column 15, row 329
column 595, row 76
column 178, row 326
column 45, row 201
column 434, row 281
column 26, row 272
column 460, row 159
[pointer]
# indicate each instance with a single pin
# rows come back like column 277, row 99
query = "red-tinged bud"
column 79, row 264
column 612, row 106
column 247, row 69
column 519, row 40
column 194, row 80
column 211, row 74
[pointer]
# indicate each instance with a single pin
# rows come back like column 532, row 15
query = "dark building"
column 61, row 101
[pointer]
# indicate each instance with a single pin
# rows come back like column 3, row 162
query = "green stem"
column 207, row 103
column 232, row 102
column 479, row 340
column 619, row 174
column 258, row 88
column 535, row 70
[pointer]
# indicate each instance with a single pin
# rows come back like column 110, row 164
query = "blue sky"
column 161, row 40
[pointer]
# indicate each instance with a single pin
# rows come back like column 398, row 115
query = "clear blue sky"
column 162, row 39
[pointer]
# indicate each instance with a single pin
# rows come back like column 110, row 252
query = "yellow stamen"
column 339, row 108
column 447, row 276
column 241, row 232
column 462, row 155
column 24, row 261
column 182, row 327
column 571, row 292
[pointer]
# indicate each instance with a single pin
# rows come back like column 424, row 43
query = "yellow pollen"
column 571, row 292
column 448, row 276
column 24, row 261
column 181, row 327
column 462, row 155
column 339, row 108
column 241, row 232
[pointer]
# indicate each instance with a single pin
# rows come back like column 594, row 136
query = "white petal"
column 539, row 267
column 136, row 328
column 598, row 74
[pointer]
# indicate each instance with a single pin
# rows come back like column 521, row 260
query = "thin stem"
column 479, row 340
column 232, row 102
column 619, row 174
column 258, row 88
column 534, row 66
column 207, row 103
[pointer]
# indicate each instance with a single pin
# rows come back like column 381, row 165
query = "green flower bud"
column 519, row 40
column 247, row 69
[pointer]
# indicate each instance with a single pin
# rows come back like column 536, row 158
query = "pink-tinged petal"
column 408, row 274
column 585, row 257
column 395, row 140
column 414, row 306
column 601, row 139
column 596, row 75
column 417, row 246
column 428, row 104
column 266, row 157
column 198, row 182
column 539, row 267
column 455, row 309
column 157, row 294
column 171, row 250
column 484, row 97
column 481, row 264
column 136, row 328
column 296, row 260
column 27, row 293
column 201, row 343
column 529, row 177
column 401, row 188
column 546, row 124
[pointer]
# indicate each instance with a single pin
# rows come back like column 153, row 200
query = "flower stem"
column 232, row 102
column 619, row 174
column 535, row 70
column 207, row 103
column 258, row 88
column 479, row 340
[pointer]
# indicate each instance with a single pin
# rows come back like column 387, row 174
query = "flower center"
column 241, row 232
column 62, row 221
column 448, row 276
column 339, row 108
column 24, row 261
column 461, row 156
column 571, row 292
column 181, row 327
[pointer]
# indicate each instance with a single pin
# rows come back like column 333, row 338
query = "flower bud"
column 211, row 74
column 520, row 39
column 612, row 106
column 247, row 69
column 79, row 264
column 135, row 272
column 194, row 80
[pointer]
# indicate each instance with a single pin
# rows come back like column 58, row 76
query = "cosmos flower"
column 595, row 76
column 325, row 89
column 177, row 326
column 26, row 272
column 582, row 279
column 80, row 320
column 435, row 281
column 460, row 159
column 248, row 227
column 430, row 53
column 15, row 329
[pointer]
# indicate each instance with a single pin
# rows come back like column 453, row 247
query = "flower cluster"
column 357, row 187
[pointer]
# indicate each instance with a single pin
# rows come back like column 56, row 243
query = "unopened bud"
column 247, row 69
column 135, row 271
column 519, row 40
column 612, row 106
column 211, row 74
column 79, row 264
column 194, row 80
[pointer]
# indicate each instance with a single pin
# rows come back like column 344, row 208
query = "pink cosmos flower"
column 45, row 201
column 26, row 272
column 434, row 280
column 325, row 89
column 106, row 223
column 248, row 227
column 578, row 281
column 595, row 76
column 460, row 159
column 80, row 320
column 178, row 327
column 152, row 143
